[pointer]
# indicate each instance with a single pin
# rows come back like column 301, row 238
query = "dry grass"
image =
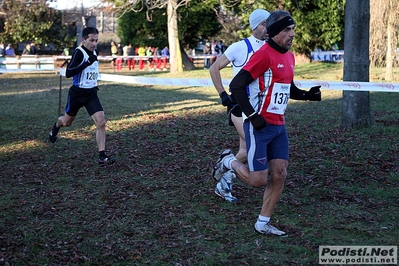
column 156, row 206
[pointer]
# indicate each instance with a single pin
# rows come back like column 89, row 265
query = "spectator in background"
column 206, row 51
column 188, row 50
column 222, row 47
column 33, row 48
column 119, row 59
column 157, row 56
column 141, row 52
column 27, row 50
column 119, row 49
column 136, row 59
column 114, row 50
column 127, row 51
column 2, row 51
column 114, row 54
column 65, row 52
column 149, row 53
column 215, row 50
column 125, row 56
column 165, row 56
column 10, row 51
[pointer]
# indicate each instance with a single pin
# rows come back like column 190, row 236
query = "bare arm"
column 214, row 71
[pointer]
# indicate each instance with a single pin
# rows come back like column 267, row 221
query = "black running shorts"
column 233, row 109
column 78, row 98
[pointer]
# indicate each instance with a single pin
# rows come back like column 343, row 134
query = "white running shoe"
column 221, row 193
column 227, row 181
column 269, row 229
column 218, row 168
column 225, row 186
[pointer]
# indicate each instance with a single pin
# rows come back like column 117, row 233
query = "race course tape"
column 192, row 82
column 187, row 82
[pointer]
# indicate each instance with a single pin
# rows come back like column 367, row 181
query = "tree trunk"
column 389, row 55
column 176, row 65
column 356, row 111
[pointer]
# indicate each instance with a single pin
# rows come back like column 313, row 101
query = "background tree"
column 244, row 11
column 356, row 104
column 33, row 21
column 171, row 7
column 172, row 25
column 319, row 24
column 149, row 27
column 384, row 28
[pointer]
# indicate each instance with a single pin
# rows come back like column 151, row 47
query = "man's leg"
column 218, row 168
column 271, row 195
column 254, row 179
column 237, row 168
column 228, row 161
column 63, row 121
column 278, row 154
column 99, row 120
column 274, row 188
column 242, row 150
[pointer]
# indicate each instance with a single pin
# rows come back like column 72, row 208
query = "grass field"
column 156, row 205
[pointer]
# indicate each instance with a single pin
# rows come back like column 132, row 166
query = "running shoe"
column 269, row 229
column 225, row 186
column 53, row 133
column 221, row 193
column 106, row 161
column 218, row 168
column 227, row 181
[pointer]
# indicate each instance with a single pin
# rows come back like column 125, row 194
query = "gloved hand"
column 257, row 121
column 314, row 94
column 226, row 99
column 92, row 59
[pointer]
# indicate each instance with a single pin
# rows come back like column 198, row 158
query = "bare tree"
column 176, row 64
column 384, row 26
column 356, row 104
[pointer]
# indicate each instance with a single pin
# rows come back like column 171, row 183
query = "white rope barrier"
column 137, row 57
column 326, row 85
column 187, row 82
column 32, row 62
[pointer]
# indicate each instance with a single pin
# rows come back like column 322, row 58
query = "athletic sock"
column 228, row 160
column 262, row 220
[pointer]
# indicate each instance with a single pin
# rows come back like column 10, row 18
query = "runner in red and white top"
column 264, row 105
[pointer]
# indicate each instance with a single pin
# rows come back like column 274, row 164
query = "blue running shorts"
column 271, row 142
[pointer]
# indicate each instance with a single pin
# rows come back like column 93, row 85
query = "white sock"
column 262, row 220
column 228, row 160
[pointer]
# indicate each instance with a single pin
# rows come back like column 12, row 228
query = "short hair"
column 87, row 31
column 276, row 16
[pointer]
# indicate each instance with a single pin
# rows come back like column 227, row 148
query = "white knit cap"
column 257, row 16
